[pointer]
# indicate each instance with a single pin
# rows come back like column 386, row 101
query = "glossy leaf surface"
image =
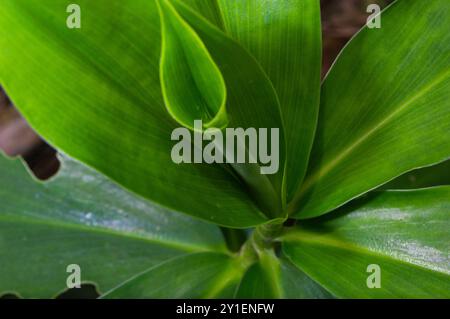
column 404, row 233
column 80, row 217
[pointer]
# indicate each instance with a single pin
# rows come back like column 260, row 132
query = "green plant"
column 100, row 95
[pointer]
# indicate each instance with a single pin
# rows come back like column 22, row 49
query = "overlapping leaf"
column 251, row 103
column 272, row 277
column 192, row 84
column 435, row 175
column 96, row 95
column 285, row 38
column 203, row 275
column 80, row 217
column 384, row 107
column 404, row 233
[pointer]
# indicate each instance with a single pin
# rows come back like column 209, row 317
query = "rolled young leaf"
column 192, row 85
column 384, row 107
column 80, row 217
column 96, row 95
column 392, row 244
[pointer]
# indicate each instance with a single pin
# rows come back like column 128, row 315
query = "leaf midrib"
column 109, row 232
column 331, row 241
column 348, row 150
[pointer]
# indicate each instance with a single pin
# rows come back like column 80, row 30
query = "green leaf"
column 99, row 85
column 80, row 217
column 285, row 38
column 434, row 175
column 405, row 233
column 252, row 103
column 271, row 277
column 192, row 84
column 384, row 107
column 202, row 275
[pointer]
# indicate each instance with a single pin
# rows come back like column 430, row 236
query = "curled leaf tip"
column 192, row 85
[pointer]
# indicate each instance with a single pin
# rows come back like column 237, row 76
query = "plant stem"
column 261, row 239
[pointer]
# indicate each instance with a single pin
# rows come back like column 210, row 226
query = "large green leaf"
column 384, row 107
column 405, row 233
column 80, row 217
column 285, row 38
column 202, row 275
column 94, row 93
column 272, row 277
